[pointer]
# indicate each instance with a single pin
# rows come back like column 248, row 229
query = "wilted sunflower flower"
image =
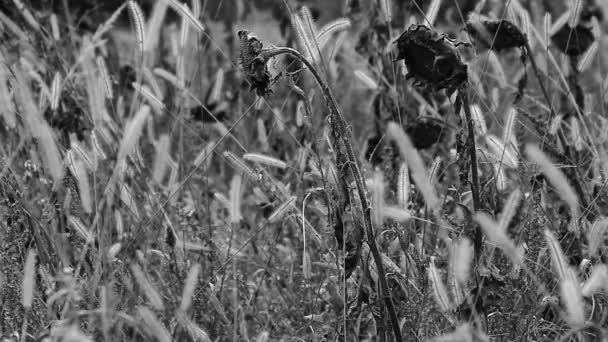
column 254, row 63
column 431, row 59
column 573, row 41
column 496, row 35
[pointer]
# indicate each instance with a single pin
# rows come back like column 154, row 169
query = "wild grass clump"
column 277, row 170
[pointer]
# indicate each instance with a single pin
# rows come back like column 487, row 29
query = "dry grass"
column 146, row 194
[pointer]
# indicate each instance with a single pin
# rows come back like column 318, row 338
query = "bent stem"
column 344, row 134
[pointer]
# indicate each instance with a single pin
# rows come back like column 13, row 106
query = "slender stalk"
column 562, row 139
column 344, row 133
column 478, row 238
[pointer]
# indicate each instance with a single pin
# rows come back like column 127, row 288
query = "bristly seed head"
column 254, row 63
column 431, row 58
column 496, row 35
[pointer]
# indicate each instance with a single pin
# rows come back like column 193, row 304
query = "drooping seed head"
column 254, row 64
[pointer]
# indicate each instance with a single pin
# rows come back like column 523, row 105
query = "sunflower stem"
column 478, row 238
column 344, row 134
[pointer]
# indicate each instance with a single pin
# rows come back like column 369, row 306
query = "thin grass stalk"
column 478, row 238
column 343, row 132
column 576, row 183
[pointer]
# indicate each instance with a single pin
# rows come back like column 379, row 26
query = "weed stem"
column 344, row 133
column 478, row 239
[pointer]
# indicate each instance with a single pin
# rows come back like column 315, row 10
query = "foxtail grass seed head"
column 377, row 191
column 499, row 237
column 587, row 59
column 481, row 128
column 137, row 20
column 80, row 228
column 461, row 258
column 189, row 287
column 305, row 32
column 265, row 160
column 329, row 29
column 558, row 258
column 597, row 282
column 556, row 177
column 283, row 209
column 439, row 290
column 183, row 10
column 236, row 193
column 403, row 185
column 431, row 58
column 413, row 159
column 238, row 164
column 103, row 69
column 555, row 124
column 29, row 279
column 150, row 292
column 397, row 214
column 573, row 298
column 156, row 329
column 500, row 151
column 509, row 210
column 56, row 91
column 509, row 130
column 596, row 236
column 366, row 80
column 195, row 332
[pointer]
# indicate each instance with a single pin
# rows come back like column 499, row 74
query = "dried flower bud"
column 573, row 41
column 431, row 59
column 425, row 133
column 254, row 63
column 496, row 35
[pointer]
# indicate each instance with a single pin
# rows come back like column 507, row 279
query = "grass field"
column 303, row 170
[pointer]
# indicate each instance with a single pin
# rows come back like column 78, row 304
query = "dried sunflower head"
column 573, row 41
column 254, row 63
column 496, row 35
column 431, row 59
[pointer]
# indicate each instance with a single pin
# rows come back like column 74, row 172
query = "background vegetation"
column 167, row 176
